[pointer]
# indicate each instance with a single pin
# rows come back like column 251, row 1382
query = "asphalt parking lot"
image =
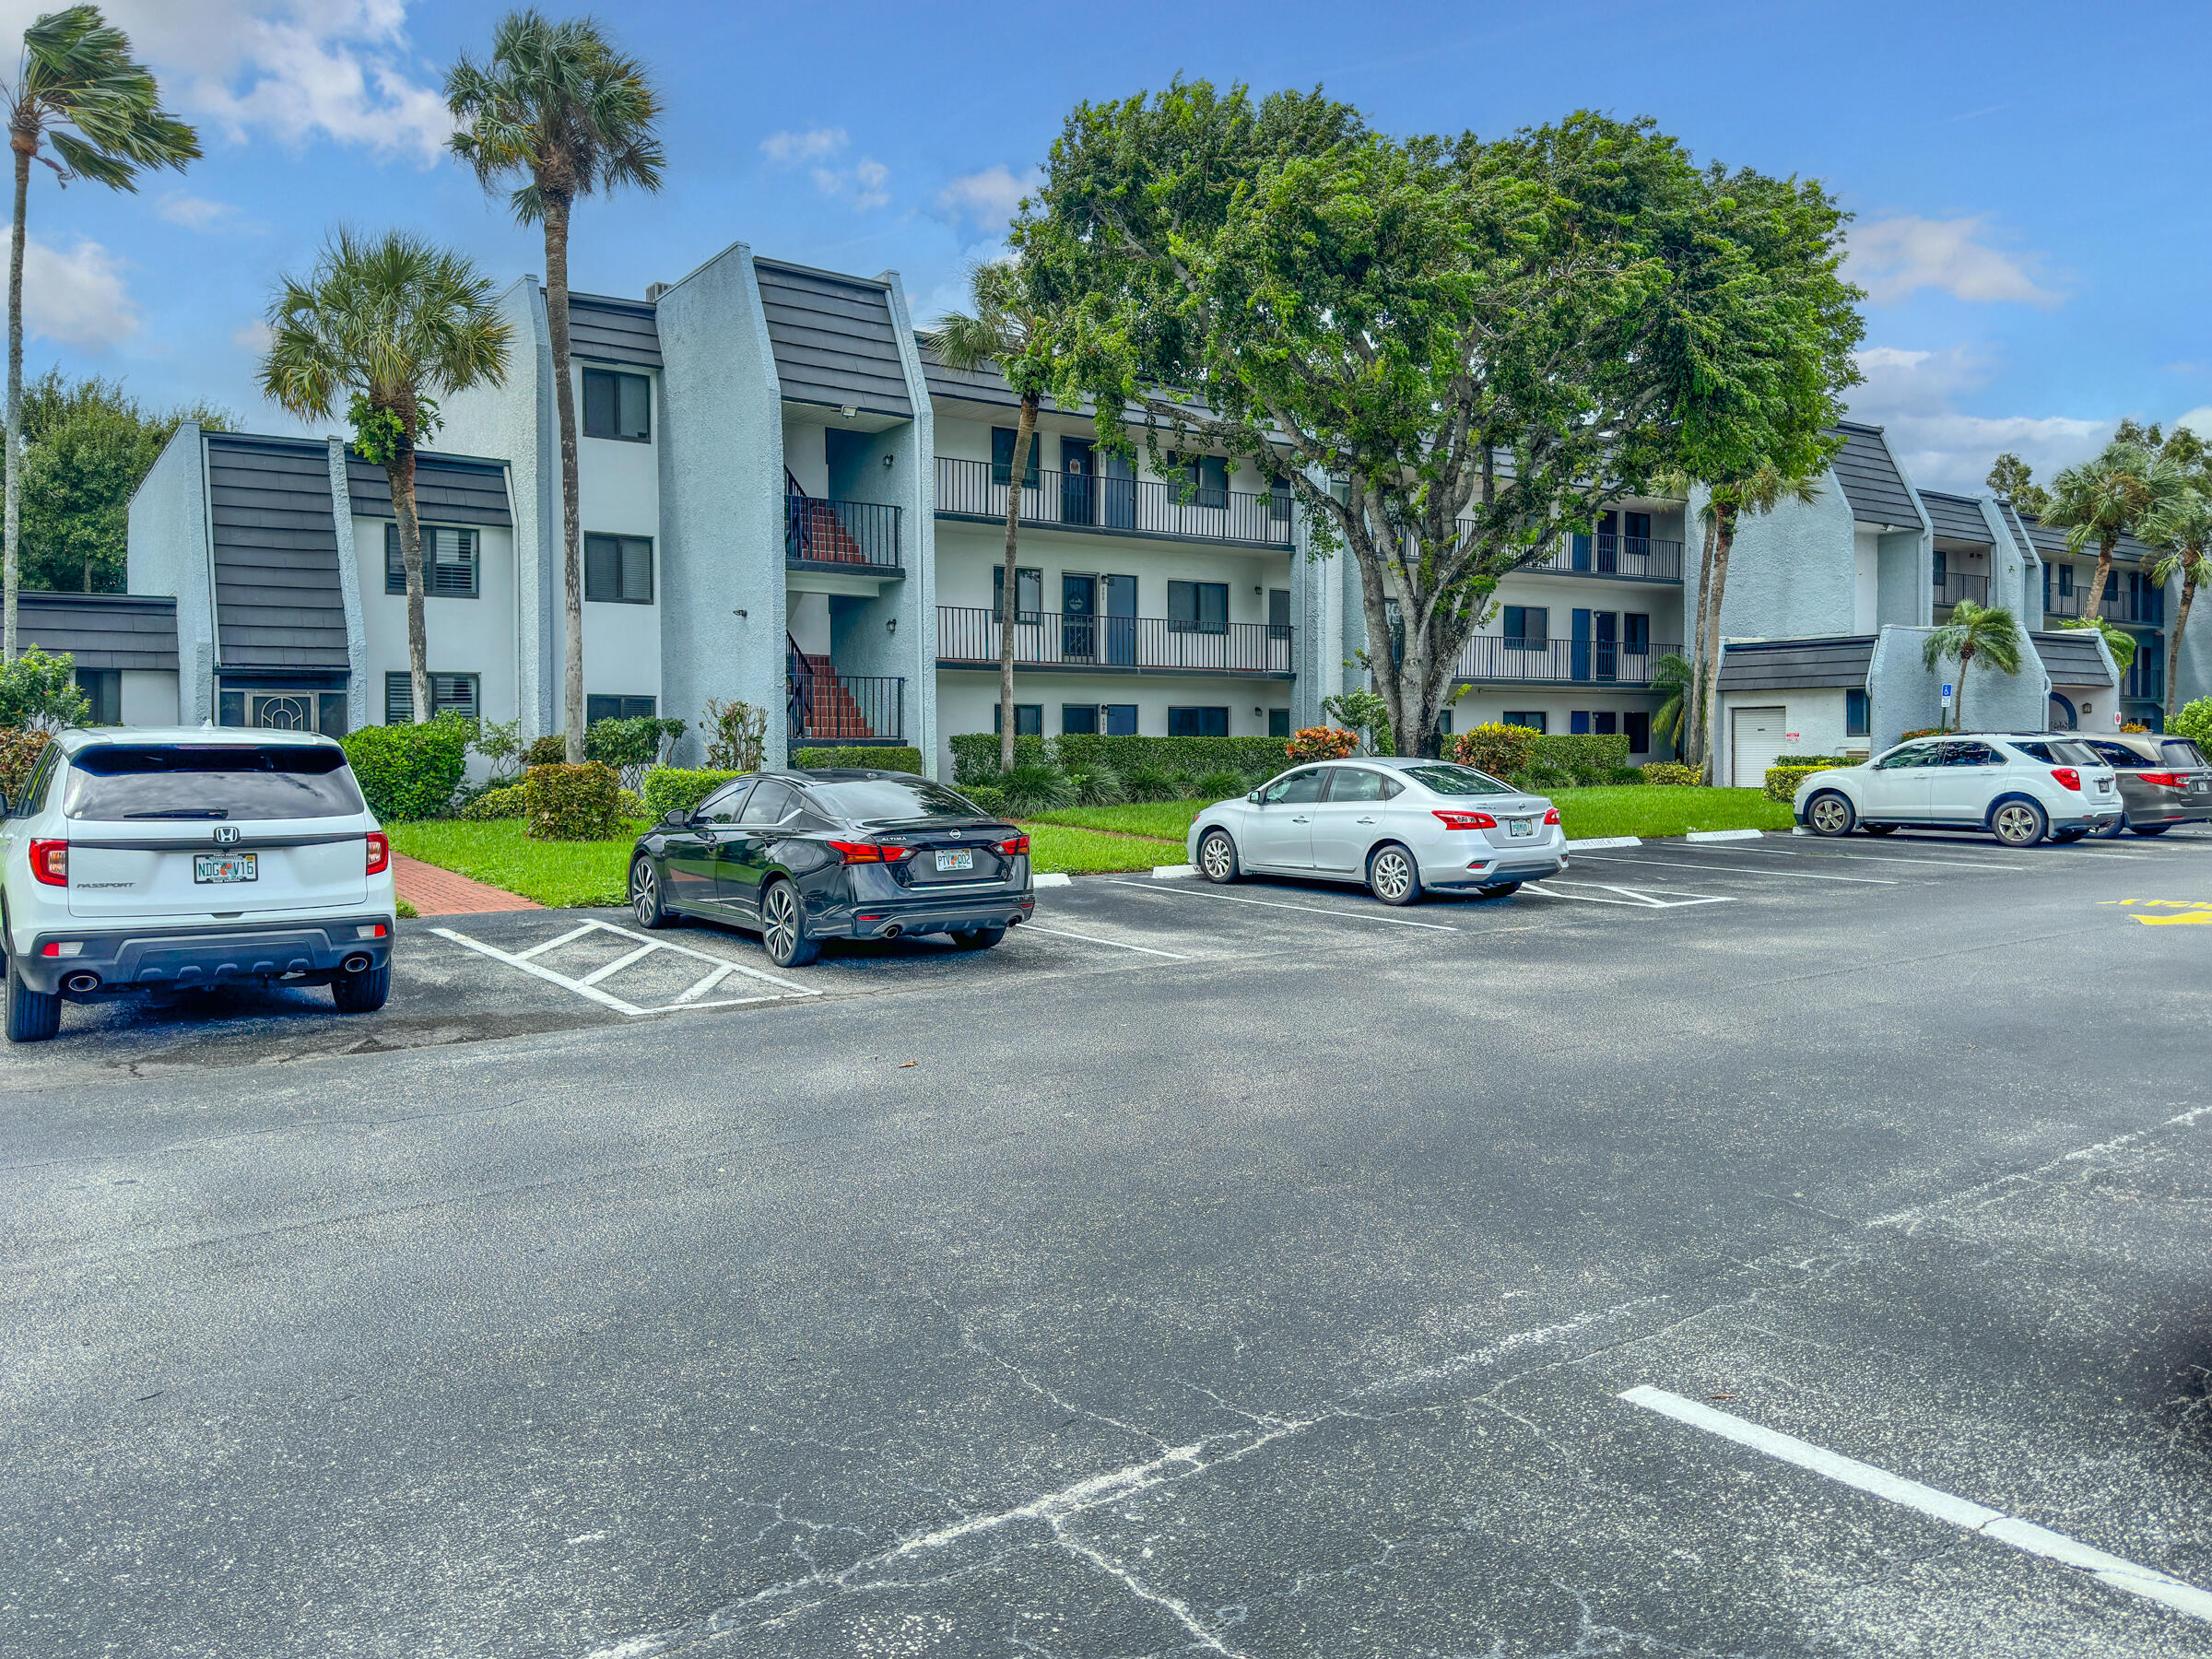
column 1767, row 1246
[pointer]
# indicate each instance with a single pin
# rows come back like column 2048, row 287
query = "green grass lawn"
column 1058, row 847
column 1169, row 821
column 554, row 873
column 1631, row 809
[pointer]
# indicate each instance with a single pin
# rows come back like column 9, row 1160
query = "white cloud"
column 196, row 213
column 988, row 198
column 863, row 184
column 788, row 149
column 294, row 70
column 871, row 176
column 77, row 296
column 2198, row 420
column 1894, row 258
column 1914, row 394
column 255, row 336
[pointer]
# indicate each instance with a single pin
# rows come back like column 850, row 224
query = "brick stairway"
column 831, row 710
column 823, row 537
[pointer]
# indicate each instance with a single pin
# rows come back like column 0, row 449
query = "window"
column 1911, row 755
column 449, row 563
column 1278, row 723
column 617, row 405
column 1457, row 780
column 617, row 569
column 771, row 802
column 2179, row 751
column 1297, row 790
column 1943, row 567
column 1636, row 634
column 1278, row 501
column 602, row 706
column 2065, row 581
column 1199, row 607
column 1578, row 722
column 1526, row 626
column 1279, row 613
column 1028, row 587
column 1120, row 720
column 1443, row 722
column 1197, row 723
column 1597, row 722
column 1029, row 719
column 1970, row 754
column 1531, row 718
column 1638, row 725
column 208, row 780
column 1079, row 717
column 323, row 711
column 721, row 806
column 1206, row 481
column 456, row 692
column 864, row 800
column 1002, row 456
column 1855, row 721
column 1355, row 784
column 103, row 690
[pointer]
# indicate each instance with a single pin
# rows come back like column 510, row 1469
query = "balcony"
column 1143, row 507
column 1622, row 558
column 1509, row 659
column 1954, row 586
column 2063, row 605
column 826, row 708
column 859, row 536
column 969, row 636
column 2145, row 607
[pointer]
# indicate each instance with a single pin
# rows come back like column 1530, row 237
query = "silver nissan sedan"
column 1401, row 826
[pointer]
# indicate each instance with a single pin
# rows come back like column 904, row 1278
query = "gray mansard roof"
column 2051, row 543
column 608, row 330
column 1797, row 664
column 449, row 489
column 102, row 631
column 1876, row 489
column 276, row 552
column 1956, row 517
column 2072, row 657
column 834, row 339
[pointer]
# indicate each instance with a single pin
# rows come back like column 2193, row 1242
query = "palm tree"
column 397, row 323
column 559, row 109
column 1725, row 506
column 79, row 91
column 2110, row 495
column 1672, row 679
column 1005, row 329
column 1989, row 633
column 2181, row 529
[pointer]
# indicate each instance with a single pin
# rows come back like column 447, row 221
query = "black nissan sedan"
column 835, row 853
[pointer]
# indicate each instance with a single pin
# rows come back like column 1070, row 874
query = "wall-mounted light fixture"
column 889, row 459
column 849, row 410
column 890, row 625
column 737, row 613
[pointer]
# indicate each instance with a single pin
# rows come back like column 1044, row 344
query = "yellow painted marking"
column 2197, row 911
column 2203, row 916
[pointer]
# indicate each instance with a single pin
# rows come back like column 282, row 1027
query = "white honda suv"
column 2018, row 787
column 149, row 859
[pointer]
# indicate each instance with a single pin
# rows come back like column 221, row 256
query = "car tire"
column 1218, row 857
column 1879, row 829
column 32, row 1016
column 2150, row 828
column 2114, row 830
column 2061, row 836
column 1830, row 813
column 645, row 901
column 362, row 992
column 2019, row 823
column 1392, row 875
column 978, row 938
column 784, row 927
column 1499, row 889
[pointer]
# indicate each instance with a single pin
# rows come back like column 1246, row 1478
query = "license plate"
column 225, row 866
column 2104, row 786
column 1520, row 827
column 962, row 860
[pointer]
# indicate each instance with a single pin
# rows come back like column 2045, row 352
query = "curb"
column 1725, row 835
column 1174, row 872
column 1593, row 842
column 1054, row 878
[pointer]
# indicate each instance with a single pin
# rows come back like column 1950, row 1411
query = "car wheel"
column 2150, row 828
column 2061, row 836
column 1829, row 813
column 362, row 992
column 645, row 895
column 32, row 1016
column 2113, row 831
column 1499, row 889
column 2019, row 823
column 1218, row 857
column 978, row 938
column 1392, row 877
column 784, row 927
column 1879, row 829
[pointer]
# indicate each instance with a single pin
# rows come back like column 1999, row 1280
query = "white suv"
column 145, row 859
column 2018, row 788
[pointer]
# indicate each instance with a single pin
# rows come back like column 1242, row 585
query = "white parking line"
column 1715, row 869
column 2115, row 1571
column 619, row 963
column 1549, row 886
column 706, row 984
column 573, row 933
column 589, row 988
column 1062, row 933
column 1318, row 910
column 1964, row 864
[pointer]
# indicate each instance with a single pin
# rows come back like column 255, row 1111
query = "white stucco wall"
column 168, row 552
column 463, row 636
column 1866, row 575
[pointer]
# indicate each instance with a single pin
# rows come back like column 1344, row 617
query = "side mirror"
column 1254, row 796
column 675, row 817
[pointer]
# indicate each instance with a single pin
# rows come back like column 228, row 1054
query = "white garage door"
column 1758, row 744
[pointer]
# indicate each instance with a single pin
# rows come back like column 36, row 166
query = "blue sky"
column 2028, row 180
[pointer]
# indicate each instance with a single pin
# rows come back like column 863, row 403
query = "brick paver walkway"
column 436, row 892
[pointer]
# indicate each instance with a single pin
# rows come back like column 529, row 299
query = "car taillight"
column 1016, row 848
column 2166, row 780
column 380, row 852
column 49, row 862
column 1552, row 817
column 1467, row 820
column 2068, row 777
column 869, row 851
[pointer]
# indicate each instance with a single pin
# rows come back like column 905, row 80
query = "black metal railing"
column 1135, row 506
column 823, row 707
column 2145, row 676
column 860, row 534
column 2056, row 604
column 1954, row 586
column 1058, row 640
column 2144, row 604
column 1606, row 554
column 1599, row 662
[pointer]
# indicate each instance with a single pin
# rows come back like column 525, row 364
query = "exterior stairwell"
column 821, row 536
column 823, row 706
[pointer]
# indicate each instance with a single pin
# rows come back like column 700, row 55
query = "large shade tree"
column 2181, row 531
column 559, row 110
column 79, row 93
column 1457, row 351
column 391, row 324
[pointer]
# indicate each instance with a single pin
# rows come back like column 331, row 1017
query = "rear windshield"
column 865, row 799
column 2061, row 752
column 1458, row 781
column 2179, row 751
column 211, row 781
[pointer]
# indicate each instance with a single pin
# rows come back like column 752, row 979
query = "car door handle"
column 1369, row 819
column 1301, row 819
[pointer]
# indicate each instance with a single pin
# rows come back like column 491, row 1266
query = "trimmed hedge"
column 1501, row 750
column 1667, row 774
column 549, row 750
column 1319, row 743
column 975, row 755
column 572, row 803
column 1585, row 761
column 987, row 798
column 1783, row 781
column 2194, row 722
column 495, row 804
column 410, row 771
column 874, row 759
column 20, row 747
column 669, row 787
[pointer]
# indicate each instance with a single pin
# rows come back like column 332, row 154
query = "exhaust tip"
column 893, row 931
column 81, row 983
column 356, row 963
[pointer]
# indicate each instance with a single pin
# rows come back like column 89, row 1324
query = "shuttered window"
column 449, row 563
column 618, row 569
column 602, row 706
column 456, row 692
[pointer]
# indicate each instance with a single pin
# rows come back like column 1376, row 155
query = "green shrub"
column 975, row 756
column 1579, row 760
column 669, row 787
column 2194, row 722
column 630, row 745
column 986, row 798
column 1219, row 786
column 736, row 734
column 1100, row 786
column 1147, row 782
column 1923, row 732
column 629, row 805
column 886, row 759
column 1625, row 775
column 41, row 690
column 1031, row 788
column 505, row 803
column 410, row 771
column 19, row 751
column 545, row 751
column 1501, row 750
column 1666, row 774
column 572, row 803
column 1783, row 781
column 1815, row 761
